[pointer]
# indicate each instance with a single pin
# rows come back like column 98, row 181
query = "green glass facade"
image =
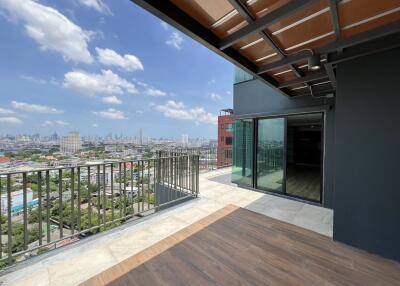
column 241, row 75
column 242, row 171
column 270, row 152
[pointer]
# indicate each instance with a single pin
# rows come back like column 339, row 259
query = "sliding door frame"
column 255, row 152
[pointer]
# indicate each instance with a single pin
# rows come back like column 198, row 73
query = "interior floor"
column 304, row 182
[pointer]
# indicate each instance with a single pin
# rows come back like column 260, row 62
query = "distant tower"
column 141, row 136
column 71, row 143
column 225, row 138
column 185, row 140
column 54, row 136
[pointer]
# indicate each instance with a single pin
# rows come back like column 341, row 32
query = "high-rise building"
column 54, row 136
column 185, row 140
column 225, row 135
column 141, row 136
column 71, row 143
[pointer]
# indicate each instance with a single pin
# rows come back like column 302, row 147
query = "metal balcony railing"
column 207, row 156
column 47, row 208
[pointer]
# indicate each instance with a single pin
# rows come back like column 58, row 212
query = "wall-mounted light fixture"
column 314, row 62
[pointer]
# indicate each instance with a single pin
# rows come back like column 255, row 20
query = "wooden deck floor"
column 235, row 246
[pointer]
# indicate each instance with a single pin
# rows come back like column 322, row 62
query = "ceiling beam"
column 331, row 74
column 373, row 47
column 267, row 20
column 335, row 46
column 173, row 15
column 244, row 11
column 305, row 79
column 335, row 18
column 317, row 94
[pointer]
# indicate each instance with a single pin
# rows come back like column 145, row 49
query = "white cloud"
column 175, row 41
column 10, row 120
column 178, row 110
column 112, row 100
column 150, row 90
column 35, row 108
column 95, row 125
column 98, row 5
column 6, row 111
column 39, row 80
column 52, row 123
column 50, row 29
column 212, row 81
column 164, row 25
column 228, row 92
column 47, row 123
column 91, row 84
column 155, row 92
column 215, row 96
column 59, row 122
column 111, row 113
column 127, row 62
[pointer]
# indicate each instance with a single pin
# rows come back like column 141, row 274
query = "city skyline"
column 84, row 70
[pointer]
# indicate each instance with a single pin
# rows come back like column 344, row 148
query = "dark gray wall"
column 367, row 154
column 256, row 99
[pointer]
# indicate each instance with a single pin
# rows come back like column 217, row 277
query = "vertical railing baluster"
column 132, row 197
column 186, row 173
column 112, row 191
column 197, row 176
column 72, row 226
column 60, row 202
column 9, row 226
column 157, row 195
column 25, row 211
column 189, row 172
column 39, row 182
column 89, row 198
column 138, row 186
column 125, row 189
column 79, row 199
column 98, row 196
column 175, row 179
column 48, row 238
column 143, row 196
column 120, row 188
column 168, row 161
column 148, row 184
column 104, row 196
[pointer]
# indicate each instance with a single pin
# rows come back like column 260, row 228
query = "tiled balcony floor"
column 76, row 263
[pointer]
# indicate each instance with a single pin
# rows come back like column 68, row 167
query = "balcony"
column 227, row 235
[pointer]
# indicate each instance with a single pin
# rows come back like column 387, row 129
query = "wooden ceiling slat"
column 309, row 28
column 206, row 12
column 261, row 8
column 354, row 11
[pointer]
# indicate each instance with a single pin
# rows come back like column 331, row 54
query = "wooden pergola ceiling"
column 273, row 39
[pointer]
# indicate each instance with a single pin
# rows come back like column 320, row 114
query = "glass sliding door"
column 242, row 170
column 304, row 156
column 270, row 154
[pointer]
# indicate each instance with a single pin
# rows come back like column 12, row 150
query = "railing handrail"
column 56, row 168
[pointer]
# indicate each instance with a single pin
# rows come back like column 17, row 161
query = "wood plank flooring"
column 236, row 246
column 304, row 182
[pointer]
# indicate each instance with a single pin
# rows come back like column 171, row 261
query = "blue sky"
column 100, row 66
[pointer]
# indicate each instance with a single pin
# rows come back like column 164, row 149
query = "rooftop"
column 277, row 237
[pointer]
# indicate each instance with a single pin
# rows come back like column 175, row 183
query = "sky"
column 101, row 66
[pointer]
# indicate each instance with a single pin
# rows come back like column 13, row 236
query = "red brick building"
column 225, row 138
